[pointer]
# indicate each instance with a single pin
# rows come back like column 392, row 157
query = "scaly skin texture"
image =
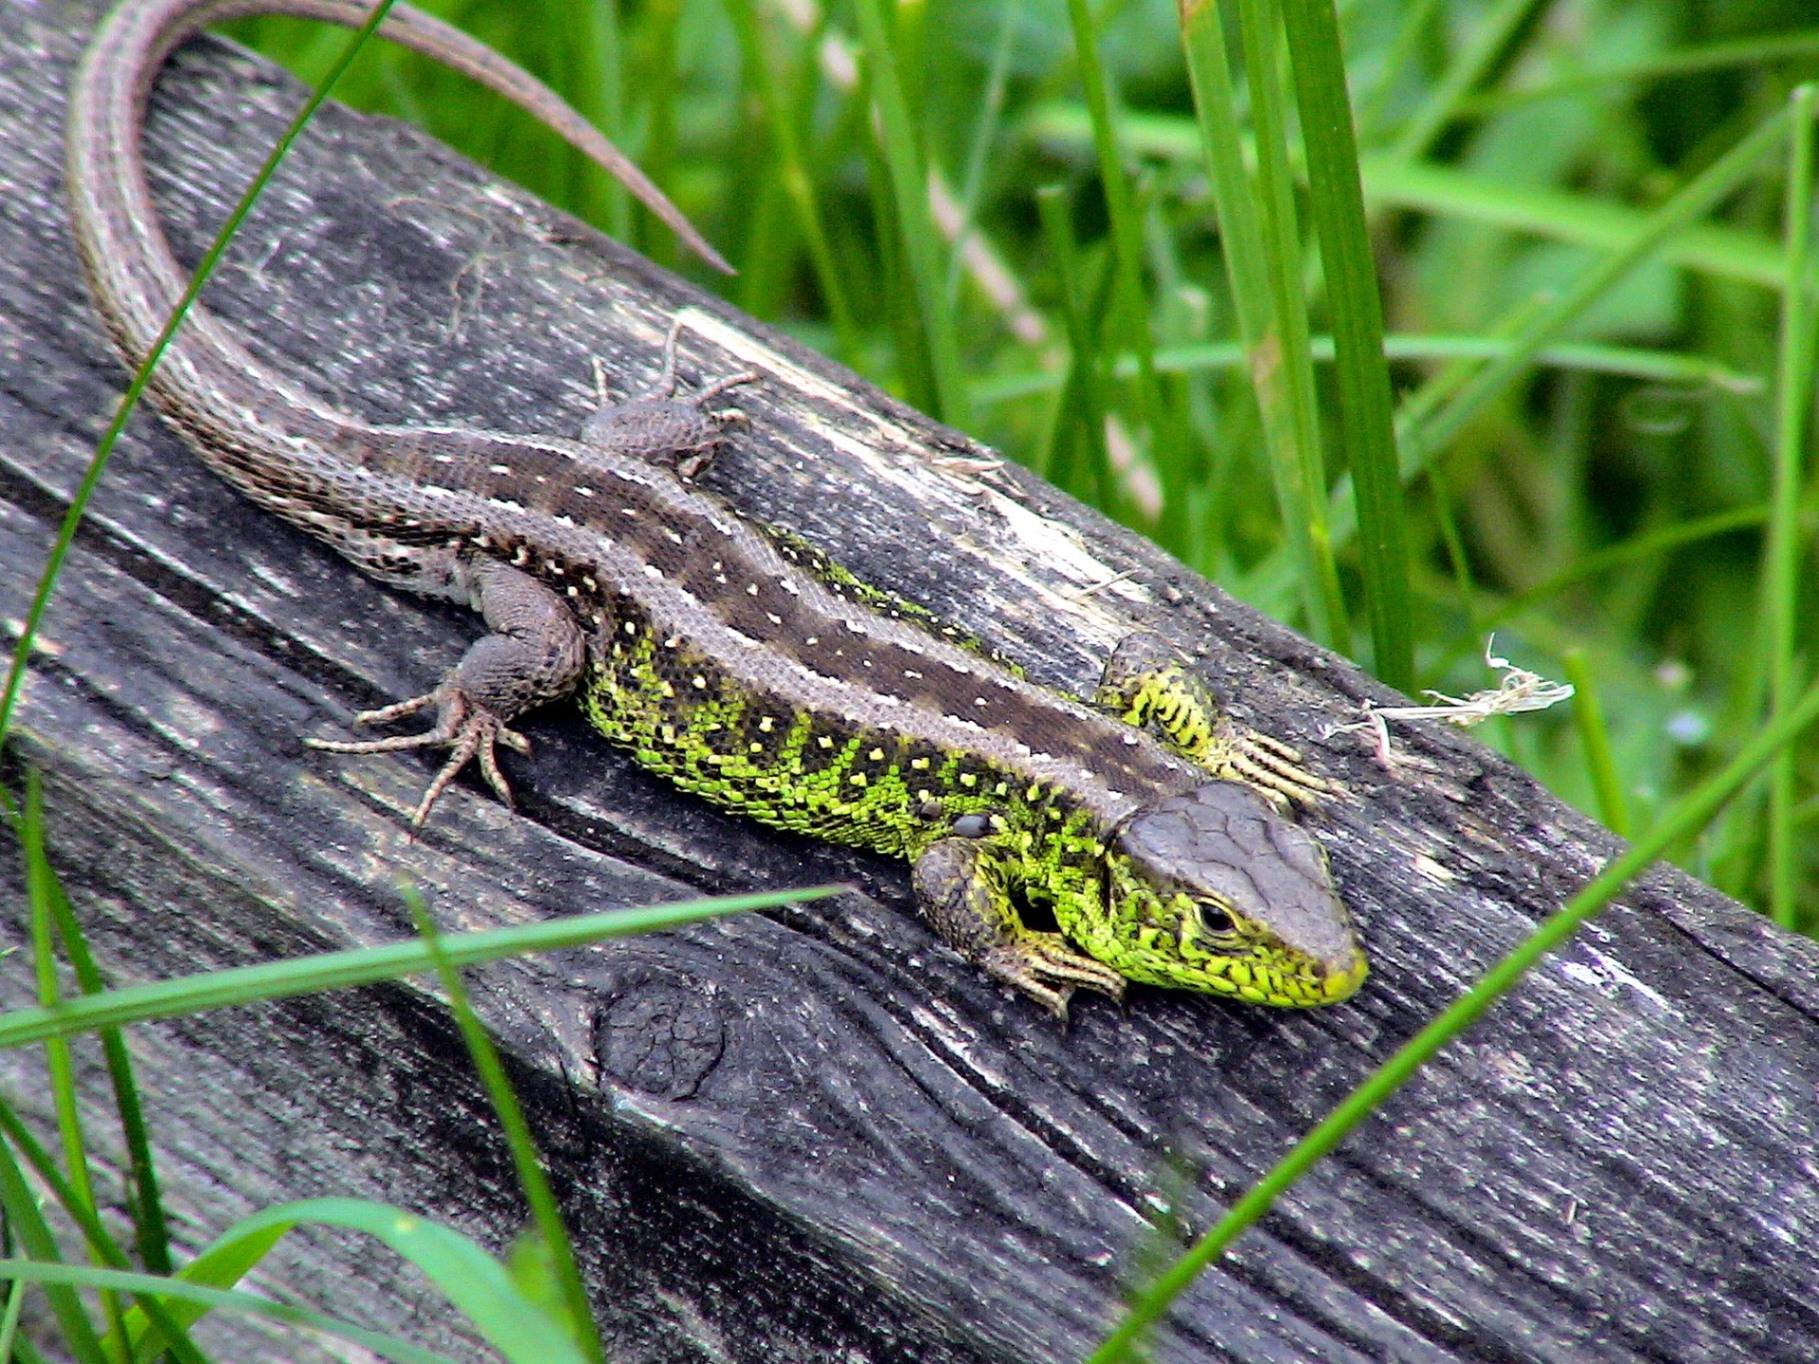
column 741, row 665
column 1197, row 891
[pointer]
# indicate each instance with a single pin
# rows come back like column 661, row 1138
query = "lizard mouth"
column 1342, row 981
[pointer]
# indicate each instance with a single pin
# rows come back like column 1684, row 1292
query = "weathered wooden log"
column 812, row 1134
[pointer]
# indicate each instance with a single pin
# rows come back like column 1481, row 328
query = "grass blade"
column 1691, row 201
column 58, row 1060
column 25, row 1220
column 1261, row 264
column 1783, row 552
column 1631, row 362
column 1588, row 715
column 1074, row 457
column 546, row 1216
column 1131, row 309
column 1577, row 219
column 984, row 138
column 901, row 147
column 364, row 966
column 1421, row 442
column 65, row 1278
column 145, row 1204
column 477, row 1285
column 793, row 170
column 1336, row 199
column 100, row 1241
column 1487, row 47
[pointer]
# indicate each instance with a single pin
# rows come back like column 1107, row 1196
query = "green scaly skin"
column 692, row 723
column 699, row 725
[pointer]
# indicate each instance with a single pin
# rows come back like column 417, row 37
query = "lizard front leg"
column 658, row 427
column 1149, row 682
column 961, row 885
column 534, row 653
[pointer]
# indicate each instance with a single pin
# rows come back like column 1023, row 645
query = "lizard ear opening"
column 1039, row 918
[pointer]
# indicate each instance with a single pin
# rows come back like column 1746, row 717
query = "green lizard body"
column 813, row 702
column 738, row 664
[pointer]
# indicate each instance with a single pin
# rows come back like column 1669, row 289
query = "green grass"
column 1547, row 308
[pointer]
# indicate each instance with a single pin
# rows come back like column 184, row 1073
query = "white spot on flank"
column 507, row 503
column 651, row 570
column 499, row 468
column 582, row 490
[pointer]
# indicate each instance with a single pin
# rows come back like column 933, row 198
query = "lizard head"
column 1215, row 890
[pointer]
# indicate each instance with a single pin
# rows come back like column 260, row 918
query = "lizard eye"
column 1215, row 919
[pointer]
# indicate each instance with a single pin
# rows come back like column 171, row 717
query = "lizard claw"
column 465, row 726
column 1269, row 767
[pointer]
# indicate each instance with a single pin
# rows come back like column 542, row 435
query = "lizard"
column 1152, row 831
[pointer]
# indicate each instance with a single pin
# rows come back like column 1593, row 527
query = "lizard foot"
column 1047, row 969
column 1268, row 766
column 960, row 883
column 463, row 724
column 680, row 434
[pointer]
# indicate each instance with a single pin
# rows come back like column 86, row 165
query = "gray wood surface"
column 813, row 1134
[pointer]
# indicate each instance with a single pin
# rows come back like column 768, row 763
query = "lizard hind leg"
column 961, row 887
column 534, row 653
column 1149, row 683
column 657, row 427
